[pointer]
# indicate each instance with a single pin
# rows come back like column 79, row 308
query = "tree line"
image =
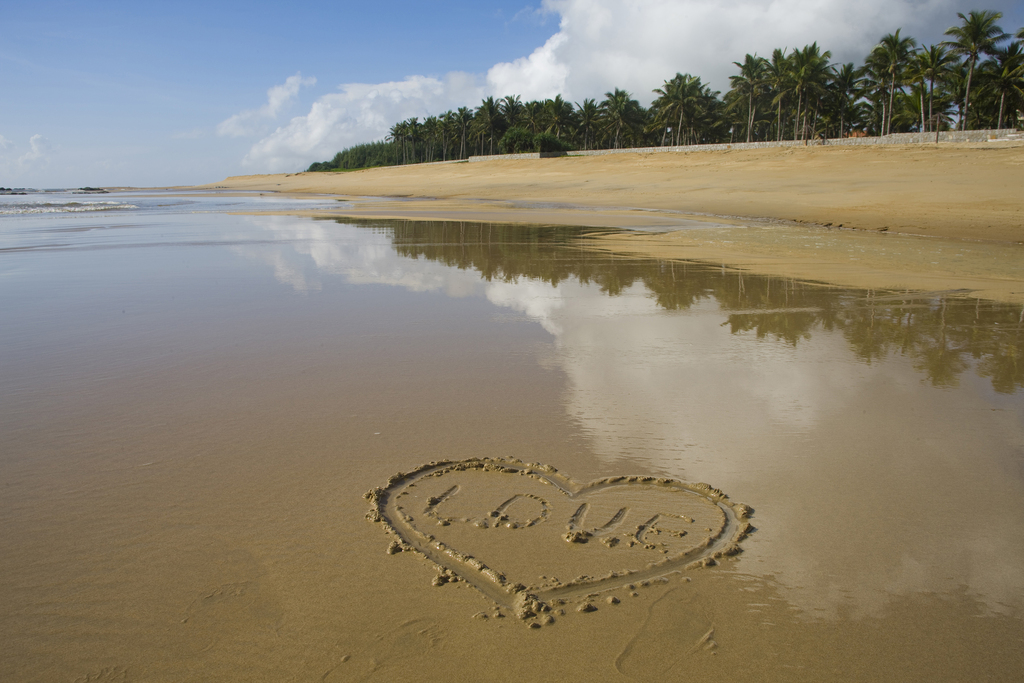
column 972, row 80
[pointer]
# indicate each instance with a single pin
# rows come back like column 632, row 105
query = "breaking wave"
column 62, row 207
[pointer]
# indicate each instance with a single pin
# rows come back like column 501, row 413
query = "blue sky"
column 143, row 93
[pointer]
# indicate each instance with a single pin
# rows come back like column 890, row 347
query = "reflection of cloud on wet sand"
column 309, row 249
column 868, row 482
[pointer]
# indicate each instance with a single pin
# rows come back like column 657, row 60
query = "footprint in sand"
column 678, row 626
column 111, row 674
column 405, row 647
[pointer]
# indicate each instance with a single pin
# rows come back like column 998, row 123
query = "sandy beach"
column 218, row 421
column 964, row 191
column 850, row 216
column 603, row 342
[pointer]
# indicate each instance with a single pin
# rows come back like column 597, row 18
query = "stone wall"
column 436, row 163
column 525, row 155
column 894, row 139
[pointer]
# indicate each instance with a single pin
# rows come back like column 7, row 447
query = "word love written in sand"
column 512, row 529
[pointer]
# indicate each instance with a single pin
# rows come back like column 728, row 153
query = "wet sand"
column 833, row 256
column 193, row 407
column 841, row 215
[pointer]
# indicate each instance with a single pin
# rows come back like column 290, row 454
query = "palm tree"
column 620, row 111
column 406, row 133
column 917, row 73
column 463, row 119
column 533, row 116
column 890, row 57
column 587, row 116
column 511, row 108
column 858, row 114
column 664, row 107
column 777, row 80
column 395, row 136
column 809, row 70
column 672, row 102
column 977, row 34
column 749, row 82
column 414, row 132
column 558, row 113
column 431, row 133
column 876, row 89
column 955, row 84
column 1004, row 74
column 488, row 114
column 448, row 128
column 932, row 64
column 708, row 122
column 681, row 102
column 846, row 81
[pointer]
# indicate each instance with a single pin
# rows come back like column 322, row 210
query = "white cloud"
column 600, row 45
column 251, row 121
column 39, row 148
column 539, row 76
column 603, row 44
column 535, row 15
column 312, row 248
column 21, row 168
column 361, row 112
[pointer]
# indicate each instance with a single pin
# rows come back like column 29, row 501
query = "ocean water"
column 196, row 392
column 77, row 201
column 14, row 208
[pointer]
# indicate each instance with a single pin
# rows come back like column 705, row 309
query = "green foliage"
column 366, row 155
column 516, row 141
column 548, row 142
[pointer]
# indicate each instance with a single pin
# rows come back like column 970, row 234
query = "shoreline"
column 772, row 210
column 954, row 190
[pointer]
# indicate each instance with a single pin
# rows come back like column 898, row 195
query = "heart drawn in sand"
column 524, row 533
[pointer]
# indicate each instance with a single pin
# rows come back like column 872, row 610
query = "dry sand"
column 775, row 211
column 967, row 191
